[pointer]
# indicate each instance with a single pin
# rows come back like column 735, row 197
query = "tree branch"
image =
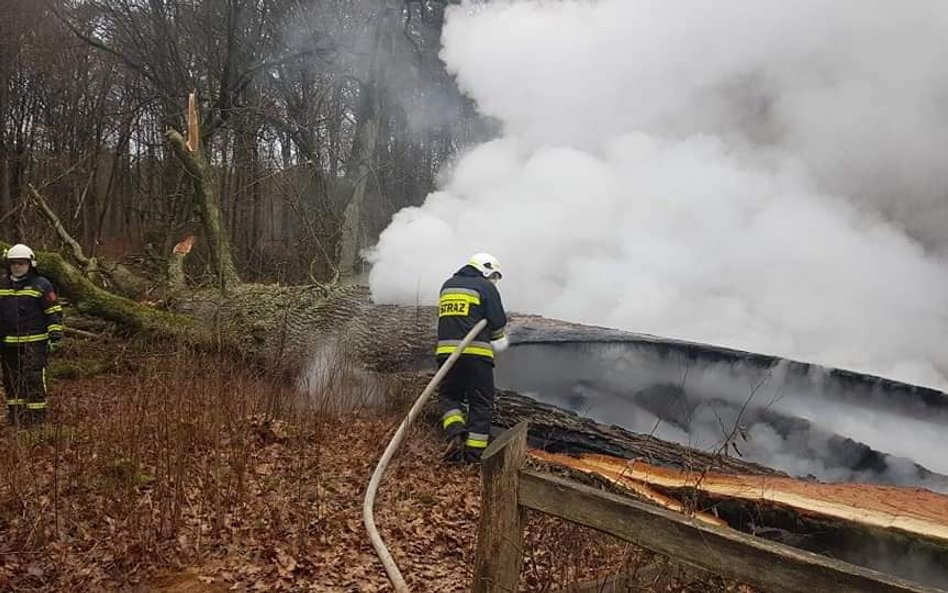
column 57, row 225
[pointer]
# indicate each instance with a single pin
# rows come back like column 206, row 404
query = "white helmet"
column 21, row 251
column 486, row 264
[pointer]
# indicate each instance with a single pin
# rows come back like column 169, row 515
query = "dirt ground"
column 178, row 472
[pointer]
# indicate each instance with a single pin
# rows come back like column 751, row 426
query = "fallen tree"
column 101, row 271
column 282, row 326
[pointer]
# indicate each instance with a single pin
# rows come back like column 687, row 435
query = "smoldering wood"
column 772, row 567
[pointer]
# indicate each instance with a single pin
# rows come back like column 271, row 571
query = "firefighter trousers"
column 24, row 381
column 470, row 382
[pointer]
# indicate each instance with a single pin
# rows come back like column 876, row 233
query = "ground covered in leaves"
column 171, row 471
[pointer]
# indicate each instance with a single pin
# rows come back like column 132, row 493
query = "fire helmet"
column 486, row 264
column 21, row 251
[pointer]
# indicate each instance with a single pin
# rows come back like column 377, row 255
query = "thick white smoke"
column 757, row 174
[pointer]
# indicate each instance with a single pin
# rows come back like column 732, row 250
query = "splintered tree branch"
column 176, row 279
column 64, row 236
column 109, row 273
column 90, row 299
column 191, row 156
column 194, row 128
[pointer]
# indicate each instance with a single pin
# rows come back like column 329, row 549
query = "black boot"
column 472, row 455
column 455, row 435
column 34, row 417
column 454, row 450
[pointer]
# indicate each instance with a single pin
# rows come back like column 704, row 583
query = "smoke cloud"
column 801, row 420
column 755, row 174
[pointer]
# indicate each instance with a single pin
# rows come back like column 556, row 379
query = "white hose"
column 368, row 517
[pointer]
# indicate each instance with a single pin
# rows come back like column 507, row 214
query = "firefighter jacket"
column 466, row 298
column 29, row 310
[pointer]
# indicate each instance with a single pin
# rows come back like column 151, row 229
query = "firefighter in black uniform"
column 466, row 298
column 30, row 326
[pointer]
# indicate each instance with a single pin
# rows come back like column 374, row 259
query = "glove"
column 55, row 343
column 500, row 345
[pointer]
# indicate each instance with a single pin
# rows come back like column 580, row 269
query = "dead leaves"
column 251, row 503
column 286, row 563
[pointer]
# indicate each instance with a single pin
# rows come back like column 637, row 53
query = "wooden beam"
column 499, row 554
column 761, row 563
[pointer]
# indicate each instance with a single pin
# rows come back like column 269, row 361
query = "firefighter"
column 467, row 297
column 31, row 326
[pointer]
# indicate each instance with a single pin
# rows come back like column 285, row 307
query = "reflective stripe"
column 54, row 327
column 476, row 440
column 30, row 292
column 468, row 294
column 497, row 334
column 476, row 348
column 53, row 309
column 452, row 420
column 451, row 417
column 36, row 406
column 16, row 402
column 25, row 339
column 456, row 343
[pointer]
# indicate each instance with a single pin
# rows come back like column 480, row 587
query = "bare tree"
column 321, row 118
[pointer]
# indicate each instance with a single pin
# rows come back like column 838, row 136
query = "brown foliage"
column 186, row 473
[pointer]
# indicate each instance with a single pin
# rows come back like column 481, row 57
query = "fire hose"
column 368, row 514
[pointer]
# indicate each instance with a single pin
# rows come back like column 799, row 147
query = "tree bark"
column 102, row 270
column 6, row 201
column 134, row 317
column 360, row 174
column 210, row 207
column 363, row 163
column 191, row 154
